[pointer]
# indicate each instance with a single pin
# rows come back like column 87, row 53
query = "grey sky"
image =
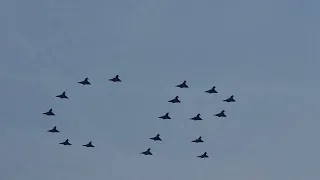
column 262, row 51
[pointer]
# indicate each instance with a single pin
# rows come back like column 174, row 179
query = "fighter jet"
column 221, row 114
column 204, row 155
column 63, row 96
column 115, row 79
column 196, row 118
column 230, row 99
column 85, row 82
column 183, row 85
column 212, row 90
column 175, row 100
column 199, row 140
column 156, row 138
column 66, row 143
column 147, row 152
column 49, row 113
column 166, row 116
column 54, row 130
column 89, row 145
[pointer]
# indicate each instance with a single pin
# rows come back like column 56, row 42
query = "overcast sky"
column 265, row 52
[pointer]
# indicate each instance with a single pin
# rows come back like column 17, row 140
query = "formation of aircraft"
column 166, row 116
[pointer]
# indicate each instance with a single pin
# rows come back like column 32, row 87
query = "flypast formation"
column 166, row 116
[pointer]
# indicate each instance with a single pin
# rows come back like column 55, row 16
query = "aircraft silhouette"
column 147, row 152
column 230, row 99
column 183, row 85
column 166, row 116
column 54, row 130
column 175, row 100
column 63, row 95
column 204, row 155
column 196, row 118
column 85, row 82
column 89, row 145
column 221, row 114
column 115, row 79
column 199, row 140
column 66, row 143
column 212, row 90
column 49, row 113
column 156, row 138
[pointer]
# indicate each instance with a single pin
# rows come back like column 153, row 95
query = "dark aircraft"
column 204, row 155
column 221, row 114
column 54, row 130
column 115, row 79
column 85, row 82
column 183, row 85
column 156, row 138
column 230, row 99
column 63, row 96
column 147, row 152
column 66, row 143
column 196, row 118
column 49, row 113
column 166, row 116
column 212, row 90
column 89, row 144
column 175, row 100
column 199, row 140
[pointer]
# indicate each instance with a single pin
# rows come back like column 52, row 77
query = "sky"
column 264, row 52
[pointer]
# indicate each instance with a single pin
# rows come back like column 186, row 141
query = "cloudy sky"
column 265, row 52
